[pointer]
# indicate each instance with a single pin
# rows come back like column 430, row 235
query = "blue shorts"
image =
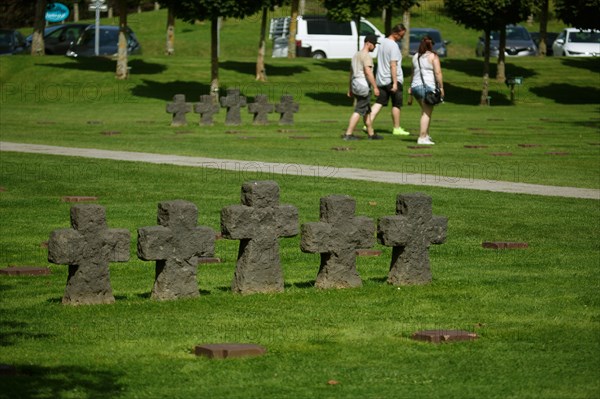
column 418, row 92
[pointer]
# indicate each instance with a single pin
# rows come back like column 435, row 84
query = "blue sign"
column 57, row 12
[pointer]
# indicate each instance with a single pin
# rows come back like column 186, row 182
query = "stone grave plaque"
column 440, row 336
column 87, row 248
column 410, row 232
column 337, row 237
column 176, row 244
column 25, row 271
column 233, row 101
column 179, row 108
column 224, row 351
column 258, row 223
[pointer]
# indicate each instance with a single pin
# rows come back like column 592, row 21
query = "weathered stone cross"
column 287, row 107
column 179, row 108
column 260, row 108
column 410, row 232
column 88, row 248
column 258, row 223
column 176, row 245
column 233, row 101
column 337, row 237
column 206, row 108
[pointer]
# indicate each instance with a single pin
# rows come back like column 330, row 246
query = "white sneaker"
column 425, row 141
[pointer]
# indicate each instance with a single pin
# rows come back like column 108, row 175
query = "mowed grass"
column 535, row 310
column 552, row 131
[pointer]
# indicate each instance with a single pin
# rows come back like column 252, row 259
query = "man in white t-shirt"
column 390, row 77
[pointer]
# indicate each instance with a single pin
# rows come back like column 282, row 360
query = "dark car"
column 12, row 42
column 416, row 34
column 550, row 38
column 58, row 38
column 518, row 43
column 108, row 44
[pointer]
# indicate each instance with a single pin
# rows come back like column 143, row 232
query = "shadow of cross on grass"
column 258, row 223
column 176, row 245
column 410, row 232
column 88, row 248
column 337, row 237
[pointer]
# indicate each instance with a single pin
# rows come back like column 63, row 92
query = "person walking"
column 427, row 75
column 361, row 76
column 389, row 78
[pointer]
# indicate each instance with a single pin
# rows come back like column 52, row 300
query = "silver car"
column 518, row 43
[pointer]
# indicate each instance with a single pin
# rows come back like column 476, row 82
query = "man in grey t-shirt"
column 390, row 77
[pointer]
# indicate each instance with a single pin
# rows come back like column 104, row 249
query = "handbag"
column 432, row 97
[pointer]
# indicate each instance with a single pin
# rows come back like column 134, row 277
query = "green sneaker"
column 398, row 131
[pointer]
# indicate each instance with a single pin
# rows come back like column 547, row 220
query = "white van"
column 320, row 37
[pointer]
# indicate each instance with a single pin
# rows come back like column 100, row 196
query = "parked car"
column 416, row 34
column 58, row 38
column 109, row 42
column 320, row 37
column 12, row 42
column 518, row 43
column 573, row 42
column 550, row 38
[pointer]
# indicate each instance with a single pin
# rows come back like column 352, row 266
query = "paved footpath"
column 270, row 168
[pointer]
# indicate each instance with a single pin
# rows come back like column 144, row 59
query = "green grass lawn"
column 536, row 310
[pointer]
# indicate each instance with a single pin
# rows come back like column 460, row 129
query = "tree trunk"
column 122, row 69
column 501, row 71
column 75, row 11
column 293, row 29
column 406, row 38
column 486, row 70
column 170, row 47
column 214, row 58
column 37, row 42
column 261, row 73
column 387, row 23
column 542, row 50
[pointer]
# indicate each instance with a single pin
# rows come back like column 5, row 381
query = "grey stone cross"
column 179, row 108
column 336, row 237
column 206, row 108
column 287, row 107
column 261, row 108
column 410, row 232
column 233, row 101
column 258, row 223
column 176, row 245
column 87, row 248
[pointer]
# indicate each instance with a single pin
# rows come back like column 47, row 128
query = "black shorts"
column 363, row 105
column 385, row 93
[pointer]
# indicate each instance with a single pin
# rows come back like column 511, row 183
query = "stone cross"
column 260, row 108
column 410, row 232
column 233, row 101
column 88, row 248
column 179, row 108
column 206, row 108
column 176, row 245
column 258, row 223
column 337, row 237
column 287, row 107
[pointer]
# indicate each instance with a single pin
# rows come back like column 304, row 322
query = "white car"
column 573, row 42
column 319, row 37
